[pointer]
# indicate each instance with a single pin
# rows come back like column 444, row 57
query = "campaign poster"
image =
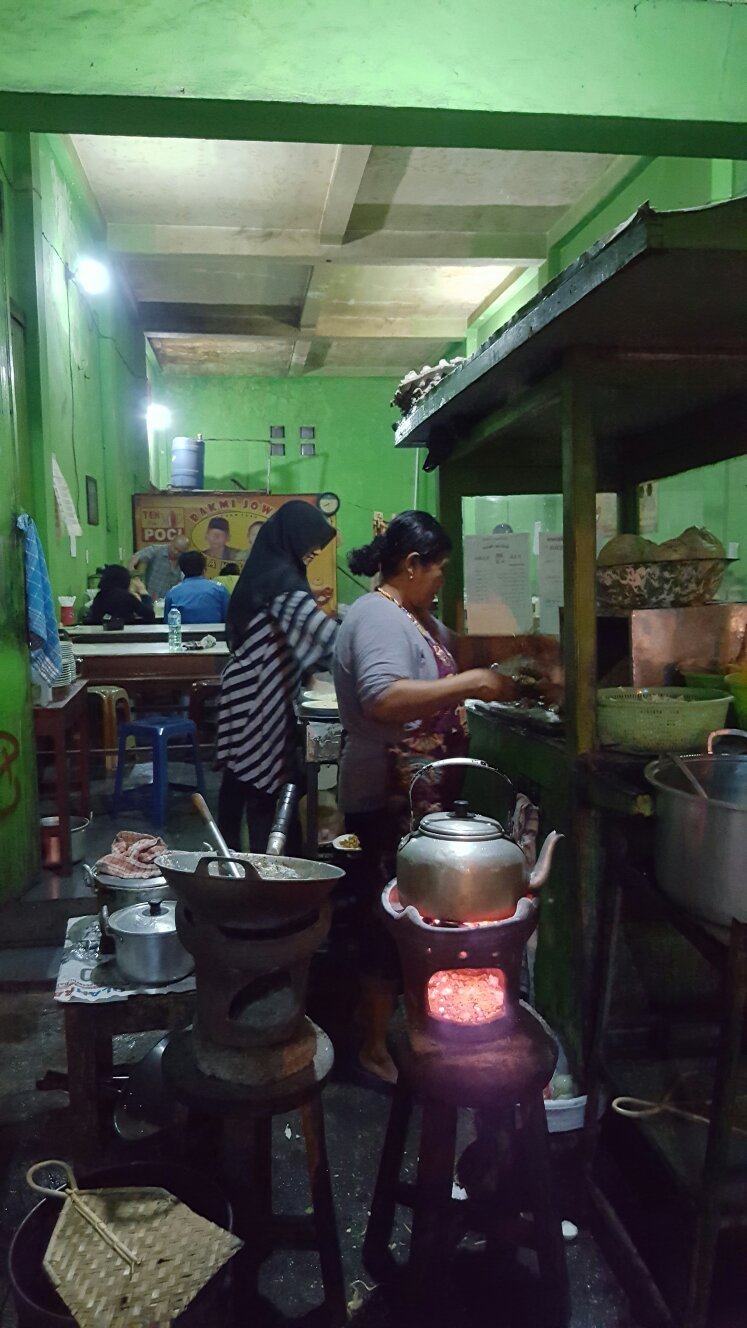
column 224, row 526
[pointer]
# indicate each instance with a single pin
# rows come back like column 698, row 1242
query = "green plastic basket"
column 660, row 719
column 737, row 684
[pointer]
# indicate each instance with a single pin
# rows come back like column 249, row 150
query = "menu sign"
column 496, row 585
column 224, row 526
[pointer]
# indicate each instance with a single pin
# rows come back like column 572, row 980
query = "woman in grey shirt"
column 402, row 705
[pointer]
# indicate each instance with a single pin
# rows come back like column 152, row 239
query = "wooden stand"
column 66, row 715
column 246, row 1116
column 438, row 1220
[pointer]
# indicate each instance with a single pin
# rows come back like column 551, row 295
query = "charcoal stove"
column 252, row 936
column 471, row 1042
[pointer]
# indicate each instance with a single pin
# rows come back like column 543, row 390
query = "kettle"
column 461, row 866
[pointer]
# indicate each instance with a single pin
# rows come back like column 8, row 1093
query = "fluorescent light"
column 92, row 276
column 158, row 416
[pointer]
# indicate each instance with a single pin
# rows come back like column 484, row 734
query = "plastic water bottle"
column 175, row 629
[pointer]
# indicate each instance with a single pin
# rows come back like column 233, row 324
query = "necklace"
column 440, row 651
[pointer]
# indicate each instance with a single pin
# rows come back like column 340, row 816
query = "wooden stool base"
column 245, row 1114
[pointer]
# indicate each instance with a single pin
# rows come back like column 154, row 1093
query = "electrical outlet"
column 733, row 550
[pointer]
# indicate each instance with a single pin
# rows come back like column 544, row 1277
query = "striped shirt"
column 256, row 725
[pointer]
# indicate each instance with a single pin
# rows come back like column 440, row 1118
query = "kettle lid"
column 462, row 824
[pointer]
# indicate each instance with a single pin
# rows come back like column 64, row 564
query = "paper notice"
column 496, row 584
column 65, row 504
column 550, row 582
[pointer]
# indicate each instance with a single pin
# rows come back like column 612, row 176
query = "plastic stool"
column 114, row 706
column 157, row 732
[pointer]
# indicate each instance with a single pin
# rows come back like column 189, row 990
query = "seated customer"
column 228, row 577
column 121, row 597
column 197, row 599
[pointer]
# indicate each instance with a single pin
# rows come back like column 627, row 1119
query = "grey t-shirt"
column 377, row 646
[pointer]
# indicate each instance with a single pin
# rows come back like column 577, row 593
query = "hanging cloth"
column 41, row 619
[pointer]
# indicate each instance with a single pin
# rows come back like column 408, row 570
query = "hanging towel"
column 41, row 619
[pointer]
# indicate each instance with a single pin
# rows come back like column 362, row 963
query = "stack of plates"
column 68, row 664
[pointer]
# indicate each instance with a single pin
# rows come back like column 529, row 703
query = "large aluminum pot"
column 149, row 952
column 462, row 867
column 701, row 843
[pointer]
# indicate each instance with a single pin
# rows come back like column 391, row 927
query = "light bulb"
column 158, row 416
column 92, row 276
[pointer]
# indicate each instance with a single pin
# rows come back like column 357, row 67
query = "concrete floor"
column 35, row 1125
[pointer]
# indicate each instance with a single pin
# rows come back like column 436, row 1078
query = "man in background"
column 160, row 564
column 198, row 599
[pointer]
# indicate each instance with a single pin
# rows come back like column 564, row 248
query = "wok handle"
column 201, row 807
column 284, row 809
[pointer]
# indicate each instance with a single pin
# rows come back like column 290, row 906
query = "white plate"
column 328, row 697
column 342, row 848
column 329, row 707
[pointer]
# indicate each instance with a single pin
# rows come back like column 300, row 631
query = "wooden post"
column 450, row 515
column 579, row 558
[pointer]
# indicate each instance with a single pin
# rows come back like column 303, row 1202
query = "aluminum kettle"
column 461, row 866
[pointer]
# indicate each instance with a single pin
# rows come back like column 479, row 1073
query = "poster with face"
column 223, row 527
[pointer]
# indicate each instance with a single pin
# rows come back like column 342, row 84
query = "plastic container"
column 660, row 719
column 175, row 629
column 737, row 684
column 188, row 463
column 67, row 609
column 36, row 1301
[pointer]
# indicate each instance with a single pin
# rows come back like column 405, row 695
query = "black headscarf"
column 275, row 565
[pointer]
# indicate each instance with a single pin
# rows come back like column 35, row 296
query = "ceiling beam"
column 160, row 318
column 300, row 356
column 344, row 182
column 452, row 248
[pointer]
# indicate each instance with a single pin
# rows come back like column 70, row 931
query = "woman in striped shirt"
column 276, row 634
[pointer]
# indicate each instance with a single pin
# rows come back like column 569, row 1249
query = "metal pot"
column 118, row 892
column 52, row 843
column 701, row 843
column 462, row 867
column 149, row 952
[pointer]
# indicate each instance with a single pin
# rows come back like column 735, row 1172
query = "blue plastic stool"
column 157, row 731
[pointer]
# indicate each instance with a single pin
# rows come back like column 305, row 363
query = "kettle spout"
column 544, row 861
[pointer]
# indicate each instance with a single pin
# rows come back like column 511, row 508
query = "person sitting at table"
column 198, row 599
column 122, row 597
column 228, row 577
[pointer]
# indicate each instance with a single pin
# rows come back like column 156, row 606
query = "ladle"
column 231, row 868
column 687, row 772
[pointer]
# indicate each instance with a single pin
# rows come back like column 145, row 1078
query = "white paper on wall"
column 496, row 584
column 550, row 582
column 65, row 504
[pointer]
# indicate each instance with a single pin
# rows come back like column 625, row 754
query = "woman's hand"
column 137, row 587
column 488, row 685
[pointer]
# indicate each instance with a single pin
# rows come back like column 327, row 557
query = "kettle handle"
column 455, row 760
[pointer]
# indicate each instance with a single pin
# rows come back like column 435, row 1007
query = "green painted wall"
column 355, row 454
column 92, row 380
column 627, row 75
column 18, row 815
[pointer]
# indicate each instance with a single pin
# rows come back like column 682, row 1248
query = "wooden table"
column 65, row 716
column 143, row 633
column 125, row 663
column 89, row 1030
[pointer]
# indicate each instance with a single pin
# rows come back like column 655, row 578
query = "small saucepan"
column 149, row 952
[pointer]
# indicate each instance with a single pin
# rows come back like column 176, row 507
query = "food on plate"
column 349, row 842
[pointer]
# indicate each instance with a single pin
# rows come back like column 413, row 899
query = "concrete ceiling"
column 294, row 258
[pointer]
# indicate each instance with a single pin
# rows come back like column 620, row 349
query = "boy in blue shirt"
column 198, row 599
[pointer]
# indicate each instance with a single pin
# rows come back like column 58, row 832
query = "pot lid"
column 133, row 883
column 145, row 919
column 461, row 824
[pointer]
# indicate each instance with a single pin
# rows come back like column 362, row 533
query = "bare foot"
column 379, row 1063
